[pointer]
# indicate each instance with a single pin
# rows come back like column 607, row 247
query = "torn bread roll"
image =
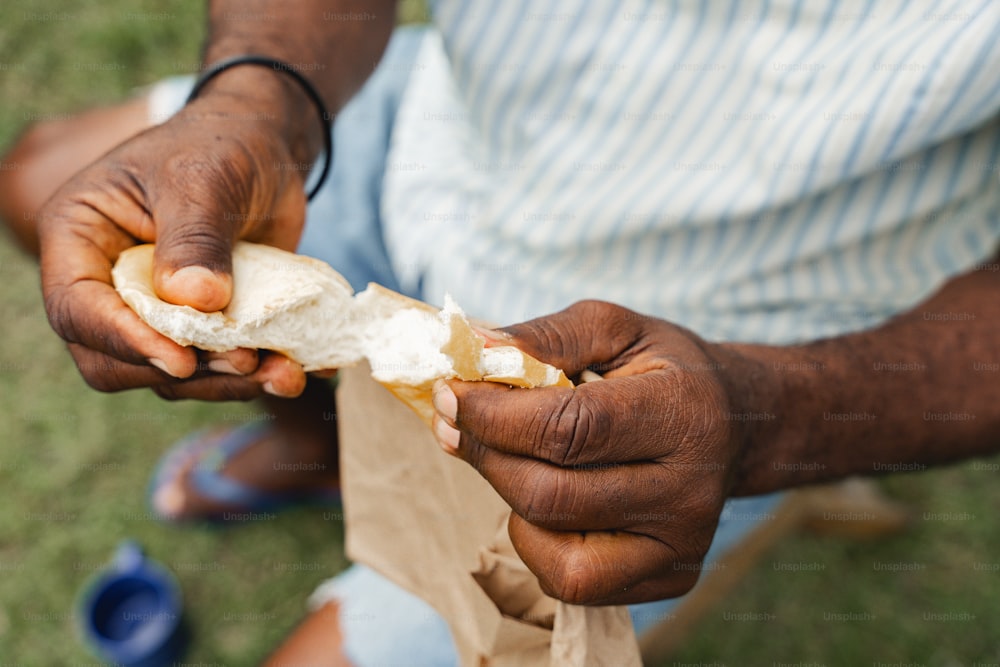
column 302, row 308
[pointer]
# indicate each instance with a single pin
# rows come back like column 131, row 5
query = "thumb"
column 587, row 334
column 193, row 260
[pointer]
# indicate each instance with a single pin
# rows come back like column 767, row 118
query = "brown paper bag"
column 433, row 525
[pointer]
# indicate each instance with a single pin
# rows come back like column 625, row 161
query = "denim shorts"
column 382, row 623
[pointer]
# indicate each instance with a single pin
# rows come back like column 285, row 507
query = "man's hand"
column 616, row 486
column 228, row 166
column 193, row 185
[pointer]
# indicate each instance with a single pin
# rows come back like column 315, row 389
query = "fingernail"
column 447, row 436
column 444, row 401
column 491, row 336
column 269, row 388
column 161, row 364
column 199, row 287
column 223, row 366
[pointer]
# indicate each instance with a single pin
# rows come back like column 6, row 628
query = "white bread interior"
column 302, row 308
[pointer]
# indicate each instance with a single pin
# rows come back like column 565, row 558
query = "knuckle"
column 100, row 373
column 569, row 432
column 683, row 583
column 678, row 570
column 587, row 308
column 541, row 337
column 167, row 392
column 218, row 388
column 627, row 326
column 97, row 381
column 196, row 243
column 234, row 389
column 701, row 512
column 594, row 310
column 243, row 359
column 58, row 310
column 709, row 396
column 544, row 501
column 574, row 580
column 115, row 339
column 476, row 455
column 701, row 416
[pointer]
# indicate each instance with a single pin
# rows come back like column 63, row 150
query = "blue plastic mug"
column 131, row 613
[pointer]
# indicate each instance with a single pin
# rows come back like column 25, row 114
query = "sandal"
column 211, row 450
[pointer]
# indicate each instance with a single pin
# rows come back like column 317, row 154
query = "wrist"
column 773, row 391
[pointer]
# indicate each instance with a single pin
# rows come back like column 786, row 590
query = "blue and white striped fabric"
column 769, row 170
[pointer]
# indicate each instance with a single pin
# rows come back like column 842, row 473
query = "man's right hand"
column 216, row 172
column 228, row 166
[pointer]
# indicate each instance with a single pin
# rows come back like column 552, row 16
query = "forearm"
column 922, row 389
column 335, row 44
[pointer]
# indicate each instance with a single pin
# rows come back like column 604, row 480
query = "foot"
column 275, row 466
column 292, row 456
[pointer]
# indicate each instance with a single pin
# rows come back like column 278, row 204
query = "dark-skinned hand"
column 206, row 178
column 616, row 486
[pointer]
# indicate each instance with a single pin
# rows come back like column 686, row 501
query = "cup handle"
column 128, row 557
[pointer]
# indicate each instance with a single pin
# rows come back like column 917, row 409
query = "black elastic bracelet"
column 278, row 66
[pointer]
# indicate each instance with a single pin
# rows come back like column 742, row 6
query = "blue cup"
column 131, row 613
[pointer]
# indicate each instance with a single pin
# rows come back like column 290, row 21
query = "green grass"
column 939, row 572
column 74, row 463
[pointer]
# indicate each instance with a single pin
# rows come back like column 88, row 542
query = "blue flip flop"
column 211, row 449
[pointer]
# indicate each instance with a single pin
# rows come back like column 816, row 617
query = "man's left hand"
column 616, row 486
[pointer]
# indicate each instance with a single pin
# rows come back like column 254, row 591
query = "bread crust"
column 302, row 308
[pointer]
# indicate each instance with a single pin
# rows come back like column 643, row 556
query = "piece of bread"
column 302, row 308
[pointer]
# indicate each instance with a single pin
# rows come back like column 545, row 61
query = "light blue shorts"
column 383, row 624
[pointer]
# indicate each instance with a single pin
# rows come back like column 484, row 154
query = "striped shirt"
column 771, row 170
